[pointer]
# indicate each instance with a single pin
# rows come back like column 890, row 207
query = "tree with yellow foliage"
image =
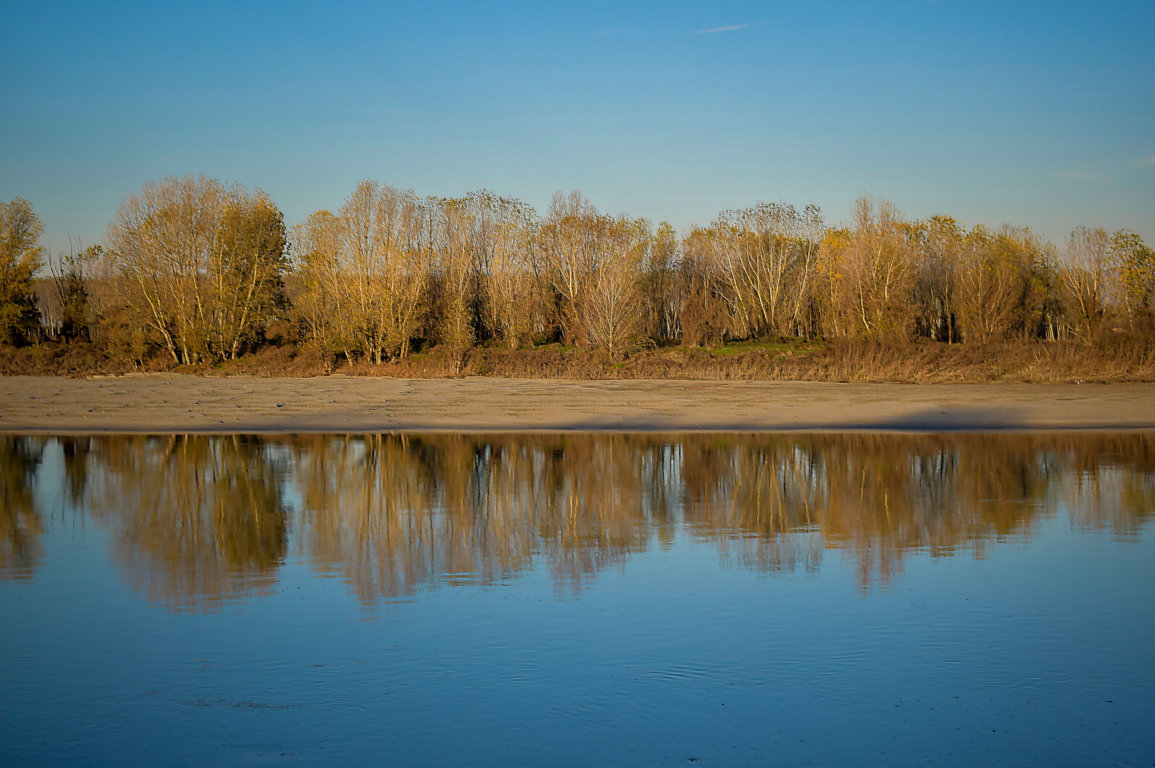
column 869, row 274
column 365, row 273
column 507, row 230
column 1084, row 280
column 20, row 255
column 200, row 265
column 765, row 256
column 594, row 263
column 994, row 293
column 1134, row 265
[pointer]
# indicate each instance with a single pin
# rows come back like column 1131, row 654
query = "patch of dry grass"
column 1113, row 358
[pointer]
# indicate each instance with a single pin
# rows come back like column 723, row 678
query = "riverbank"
column 1114, row 359
column 182, row 403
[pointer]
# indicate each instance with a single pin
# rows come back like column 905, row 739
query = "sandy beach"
column 180, row 403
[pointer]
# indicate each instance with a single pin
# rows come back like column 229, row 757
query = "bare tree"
column 765, row 255
column 937, row 247
column 319, row 306
column 160, row 240
column 704, row 317
column 364, row 273
column 614, row 306
column 663, row 290
column 870, row 274
column 72, row 277
column 570, row 252
column 456, row 250
column 507, row 230
column 1084, row 278
column 594, row 264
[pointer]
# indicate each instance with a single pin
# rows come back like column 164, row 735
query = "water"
column 578, row 600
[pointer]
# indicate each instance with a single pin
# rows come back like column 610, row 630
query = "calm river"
column 578, row 600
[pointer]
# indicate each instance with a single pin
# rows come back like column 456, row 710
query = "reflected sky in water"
column 578, row 599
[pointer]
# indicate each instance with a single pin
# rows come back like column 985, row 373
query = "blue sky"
column 1033, row 113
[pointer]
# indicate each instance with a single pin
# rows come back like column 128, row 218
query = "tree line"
column 201, row 272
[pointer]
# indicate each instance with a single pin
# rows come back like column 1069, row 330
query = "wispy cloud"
column 731, row 28
column 1146, row 162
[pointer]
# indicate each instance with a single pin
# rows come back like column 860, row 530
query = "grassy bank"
column 1118, row 358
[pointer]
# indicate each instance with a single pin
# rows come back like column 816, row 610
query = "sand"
column 177, row 403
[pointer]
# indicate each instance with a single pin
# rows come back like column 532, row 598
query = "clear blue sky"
column 1032, row 113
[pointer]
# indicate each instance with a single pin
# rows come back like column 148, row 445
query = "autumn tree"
column 664, row 291
column 384, row 257
column 507, row 230
column 1084, row 280
column 831, row 282
column 594, row 265
column 996, row 294
column 869, row 274
column 938, row 242
column 766, row 255
column 20, row 256
column 456, row 251
column 364, row 273
column 319, row 305
column 1134, row 267
column 248, row 268
column 615, row 305
column 704, row 316
column 200, row 264
column 569, row 250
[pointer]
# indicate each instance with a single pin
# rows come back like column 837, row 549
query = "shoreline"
column 179, row 404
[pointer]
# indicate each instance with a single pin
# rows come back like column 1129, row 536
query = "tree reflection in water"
column 21, row 521
column 196, row 519
column 201, row 519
